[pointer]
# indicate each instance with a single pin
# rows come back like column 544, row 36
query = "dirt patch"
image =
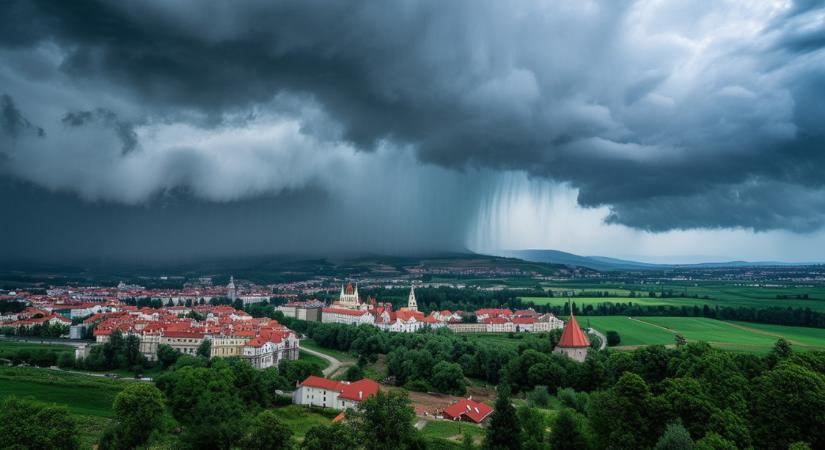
column 432, row 403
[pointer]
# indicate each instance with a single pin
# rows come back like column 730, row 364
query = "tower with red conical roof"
column 573, row 343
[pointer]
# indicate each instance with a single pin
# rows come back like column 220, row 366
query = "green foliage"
column 675, row 437
column 572, row 399
column 167, row 356
column 539, row 396
column 713, row 441
column 337, row 436
column 613, row 338
column 447, row 377
column 205, row 348
column 569, row 431
column 627, row 416
column 139, row 411
column 533, row 435
column 26, row 424
column 354, row 373
column 297, row 370
column 787, row 405
column 503, row 423
column 385, row 420
column 267, row 432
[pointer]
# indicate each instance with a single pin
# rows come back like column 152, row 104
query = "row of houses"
column 350, row 310
column 263, row 342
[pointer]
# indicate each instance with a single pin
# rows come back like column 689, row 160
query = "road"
column 334, row 363
column 602, row 337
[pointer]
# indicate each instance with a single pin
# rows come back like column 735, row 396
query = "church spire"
column 411, row 303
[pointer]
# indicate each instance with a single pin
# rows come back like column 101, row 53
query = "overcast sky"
column 659, row 130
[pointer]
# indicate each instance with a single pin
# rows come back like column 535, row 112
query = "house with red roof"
column 467, row 409
column 317, row 391
column 573, row 342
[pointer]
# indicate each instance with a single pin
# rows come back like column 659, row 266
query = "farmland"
column 737, row 336
column 712, row 293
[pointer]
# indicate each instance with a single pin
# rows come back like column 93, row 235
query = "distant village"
column 188, row 318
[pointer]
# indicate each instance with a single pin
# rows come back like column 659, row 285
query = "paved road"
column 602, row 337
column 334, row 363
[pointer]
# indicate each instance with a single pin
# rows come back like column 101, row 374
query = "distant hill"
column 603, row 263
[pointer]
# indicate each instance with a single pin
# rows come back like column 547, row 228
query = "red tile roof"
column 573, row 336
column 468, row 408
column 355, row 391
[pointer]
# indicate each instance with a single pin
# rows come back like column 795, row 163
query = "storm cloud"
column 673, row 115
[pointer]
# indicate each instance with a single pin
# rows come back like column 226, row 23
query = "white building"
column 317, row 391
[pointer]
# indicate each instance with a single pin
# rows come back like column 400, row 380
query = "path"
column 334, row 363
column 602, row 337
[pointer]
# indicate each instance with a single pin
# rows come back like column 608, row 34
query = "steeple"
column 411, row 303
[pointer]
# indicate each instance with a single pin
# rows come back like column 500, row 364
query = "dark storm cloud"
column 12, row 121
column 675, row 116
column 108, row 119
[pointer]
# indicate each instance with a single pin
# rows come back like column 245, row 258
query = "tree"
column 675, row 437
column 298, row 370
column 539, row 396
column 337, row 436
column 26, row 424
column 205, row 348
column 448, row 378
column 613, row 338
column 569, row 431
column 386, row 421
column 139, row 410
column 627, row 416
column 354, row 373
column 532, row 429
column 503, row 423
column 131, row 350
column 167, row 356
column 788, row 405
column 713, row 441
column 267, row 432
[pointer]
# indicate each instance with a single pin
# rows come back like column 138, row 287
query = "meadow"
column 9, row 348
column 717, row 293
column 88, row 399
column 739, row 336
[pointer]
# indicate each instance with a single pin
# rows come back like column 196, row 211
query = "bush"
column 613, row 338
column 539, row 396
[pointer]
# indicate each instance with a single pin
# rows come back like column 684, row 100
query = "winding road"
column 602, row 337
column 334, row 363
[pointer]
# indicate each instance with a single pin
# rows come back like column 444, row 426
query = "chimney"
column 360, row 395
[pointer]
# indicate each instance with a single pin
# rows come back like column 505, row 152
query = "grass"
column 451, row 431
column 739, row 336
column 312, row 345
column 9, row 348
column 300, row 419
column 88, row 399
column 321, row 362
column 719, row 293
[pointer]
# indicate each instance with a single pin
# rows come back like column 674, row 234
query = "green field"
column 8, row 348
column 321, row 362
column 312, row 345
column 718, row 293
column 452, row 431
column 89, row 399
column 300, row 419
column 738, row 336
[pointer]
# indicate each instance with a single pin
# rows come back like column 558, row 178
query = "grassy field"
column 738, row 336
column 718, row 293
column 89, row 399
column 312, row 345
column 8, row 348
column 300, row 419
column 452, row 431
column 321, row 362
